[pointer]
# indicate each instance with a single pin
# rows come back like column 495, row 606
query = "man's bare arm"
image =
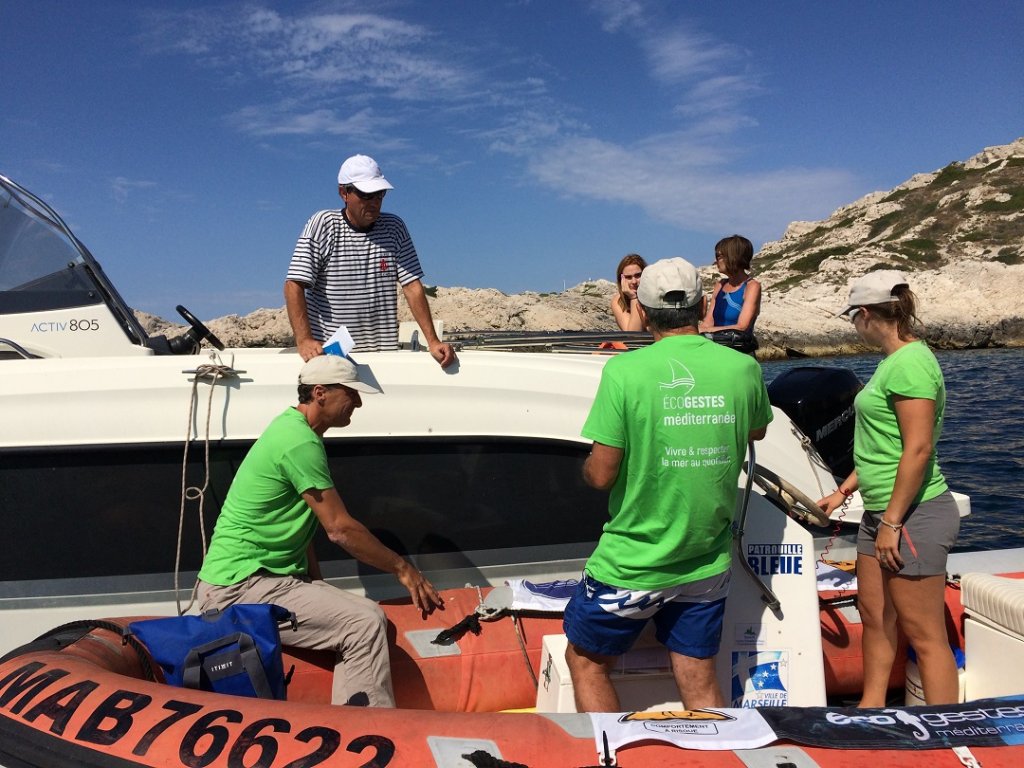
column 298, row 316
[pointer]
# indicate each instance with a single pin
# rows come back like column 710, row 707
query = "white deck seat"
column 993, row 635
column 994, row 600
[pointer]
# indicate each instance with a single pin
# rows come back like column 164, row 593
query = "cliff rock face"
column 957, row 233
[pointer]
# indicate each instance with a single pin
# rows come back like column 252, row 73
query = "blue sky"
column 531, row 143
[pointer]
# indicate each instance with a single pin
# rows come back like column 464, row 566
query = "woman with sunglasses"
column 910, row 519
column 627, row 278
column 736, row 300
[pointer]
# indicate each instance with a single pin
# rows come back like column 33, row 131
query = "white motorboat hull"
column 474, row 472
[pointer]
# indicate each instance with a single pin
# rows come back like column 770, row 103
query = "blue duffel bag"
column 235, row 651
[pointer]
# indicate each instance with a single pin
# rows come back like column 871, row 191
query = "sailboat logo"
column 681, row 377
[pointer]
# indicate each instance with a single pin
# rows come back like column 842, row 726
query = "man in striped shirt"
column 345, row 267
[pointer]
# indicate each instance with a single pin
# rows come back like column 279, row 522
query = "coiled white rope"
column 214, row 372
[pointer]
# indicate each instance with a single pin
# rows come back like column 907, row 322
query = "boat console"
column 56, row 301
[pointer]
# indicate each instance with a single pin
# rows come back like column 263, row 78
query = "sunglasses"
column 349, row 390
column 378, row 195
column 854, row 314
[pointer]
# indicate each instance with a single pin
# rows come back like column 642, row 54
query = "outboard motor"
column 819, row 400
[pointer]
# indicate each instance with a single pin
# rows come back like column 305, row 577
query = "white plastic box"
column 643, row 679
column 914, row 690
column 993, row 660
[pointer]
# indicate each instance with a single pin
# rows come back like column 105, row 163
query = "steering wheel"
column 199, row 331
column 795, row 502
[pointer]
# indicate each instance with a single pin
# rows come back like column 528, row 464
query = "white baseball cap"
column 363, row 173
column 670, row 284
column 334, row 369
column 874, row 288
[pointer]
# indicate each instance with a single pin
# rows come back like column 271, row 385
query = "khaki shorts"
column 929, row 532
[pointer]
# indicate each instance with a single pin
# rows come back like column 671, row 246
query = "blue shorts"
column 607, row 620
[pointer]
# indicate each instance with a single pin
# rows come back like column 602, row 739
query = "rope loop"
column 213, row 372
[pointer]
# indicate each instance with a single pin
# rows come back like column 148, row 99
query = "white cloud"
column 524, row 131
column 712, row 76
column 309, row 51
column 719, row 95
column 682, row 55
column 288, row 118
column 618, row 13
column 376, row 75
column 688, row 184
column 332, row 66
column 123, row 188
column 690, row 176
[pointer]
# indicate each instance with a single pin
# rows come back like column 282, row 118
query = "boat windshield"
column 45, row 267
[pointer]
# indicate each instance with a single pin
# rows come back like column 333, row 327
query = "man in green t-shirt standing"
column 262, row 550
column 670, row 423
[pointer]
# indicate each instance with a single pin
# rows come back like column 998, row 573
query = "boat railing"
column 547, row 341
column 19, row 350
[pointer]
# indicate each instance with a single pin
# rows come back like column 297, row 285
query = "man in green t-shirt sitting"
column 262, row 550
column 670, row 423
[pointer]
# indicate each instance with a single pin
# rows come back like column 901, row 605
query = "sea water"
column 981, row 451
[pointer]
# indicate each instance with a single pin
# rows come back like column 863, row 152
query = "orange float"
column 87, row 702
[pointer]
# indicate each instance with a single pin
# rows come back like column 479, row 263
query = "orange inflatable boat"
column 88, row 702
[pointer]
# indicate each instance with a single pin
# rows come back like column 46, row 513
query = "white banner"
column 689, row 729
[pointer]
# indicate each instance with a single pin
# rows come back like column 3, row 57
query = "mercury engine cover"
column 819, row 400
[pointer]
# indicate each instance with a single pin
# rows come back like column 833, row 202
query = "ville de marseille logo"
column 680, row 377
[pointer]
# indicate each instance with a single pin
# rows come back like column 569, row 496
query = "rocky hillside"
column 581, row 308
column 957, row 232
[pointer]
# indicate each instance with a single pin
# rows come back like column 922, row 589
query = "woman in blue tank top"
column 736, row 300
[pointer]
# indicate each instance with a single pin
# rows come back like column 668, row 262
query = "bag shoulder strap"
column 192, row 673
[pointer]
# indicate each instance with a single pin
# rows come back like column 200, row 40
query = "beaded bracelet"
column 894, row 526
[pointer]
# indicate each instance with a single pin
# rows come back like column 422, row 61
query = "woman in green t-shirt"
column 910, row 519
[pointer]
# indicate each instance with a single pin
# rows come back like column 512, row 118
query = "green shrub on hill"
column 1009, row 256
column 955, row 172
column 954, row 216
column 1015, row 203
column 836, row 250
column 882, row 223
column 920, row 250
column 899, row 194
column 809, row 262
column 951, row 174
column 785, row 285
column 764, row 263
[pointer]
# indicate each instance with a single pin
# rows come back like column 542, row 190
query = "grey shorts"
column 929, row 532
